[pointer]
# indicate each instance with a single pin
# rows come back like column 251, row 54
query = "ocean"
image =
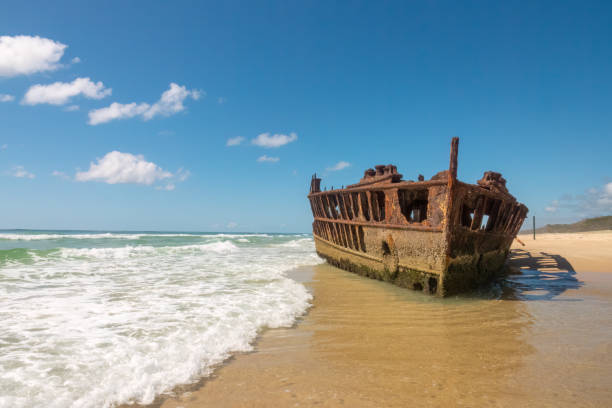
column 93, row 319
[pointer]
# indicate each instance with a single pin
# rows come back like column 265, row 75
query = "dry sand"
column 543, row 339
column 585, row 251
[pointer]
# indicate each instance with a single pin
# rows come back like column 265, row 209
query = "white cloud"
column 19, row 171
column 170, row 102
column 71, row 108
column 234, row 141
column 24, row 55
column 75, row 60
column 553, row 207
column 182, row 174
column 59, row 174
column 117, row 167
column 232, row 224
column 167, row 187
column 278, row 140
column 594, row 202
column 221, row 100
column 116, row 111
column 59, row 93
column 4, row 147
column 265, row 158
column 6, row 98
column 339, row 166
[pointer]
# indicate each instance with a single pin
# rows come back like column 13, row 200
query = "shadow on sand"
column 542, row 276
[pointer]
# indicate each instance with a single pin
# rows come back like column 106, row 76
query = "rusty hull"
column 440, row 236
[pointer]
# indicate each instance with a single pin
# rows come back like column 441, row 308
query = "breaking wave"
column 119, row 322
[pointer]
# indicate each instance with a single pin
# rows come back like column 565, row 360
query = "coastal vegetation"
column 588, row 224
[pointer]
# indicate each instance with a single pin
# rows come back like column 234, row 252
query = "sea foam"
column 98, row 326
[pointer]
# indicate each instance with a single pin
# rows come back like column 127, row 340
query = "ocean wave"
column 110, row 235
column 296, row 243
column 95, row 326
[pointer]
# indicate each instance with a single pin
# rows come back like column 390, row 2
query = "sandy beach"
column 585, row 251
column 541, row 338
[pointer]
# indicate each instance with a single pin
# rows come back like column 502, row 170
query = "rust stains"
column 441, row 235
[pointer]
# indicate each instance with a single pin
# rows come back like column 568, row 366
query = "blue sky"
column 525, row 85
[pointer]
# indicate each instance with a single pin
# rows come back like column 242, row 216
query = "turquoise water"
column 99, row 318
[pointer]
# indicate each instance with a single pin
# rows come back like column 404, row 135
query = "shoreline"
column 365, row 343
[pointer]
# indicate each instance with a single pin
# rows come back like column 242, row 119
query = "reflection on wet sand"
column 369, row 344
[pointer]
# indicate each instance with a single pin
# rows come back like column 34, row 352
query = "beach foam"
column 97, row 326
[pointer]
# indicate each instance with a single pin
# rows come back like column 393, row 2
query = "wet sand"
column 539, row 338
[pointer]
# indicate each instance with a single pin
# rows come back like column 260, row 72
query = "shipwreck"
column 440, row 236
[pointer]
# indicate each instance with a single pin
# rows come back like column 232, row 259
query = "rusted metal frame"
column 330, row 231
column 363, row 196
column 336, row 234
column 333, row 200
column 344, row 235
column 369, row 198
column 347, row 232
column 393, row 207
column 360, row 207
column 374, row 206
column 352, row 204
column 451, row 193
column 475, row 189
column 492, row 215
column 355, row 235
column 361, row 234
column 510, row 221
column 417, row 185
column 504, row 213
column 355, row 205
column 347, row 206
column 340, row 205
column 317, row 201
column 515, row 216
column 361, row 254
column 312, row 208
column 411, row 227
column 331, row 207
column 349, row 235
column 325, row 206
column 479, row 211
column 322, row 202
column 519, row 220
column 338, row 227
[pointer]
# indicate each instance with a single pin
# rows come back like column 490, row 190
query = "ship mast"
column 452, row 178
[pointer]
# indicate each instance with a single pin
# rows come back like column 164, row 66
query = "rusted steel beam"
column 451, row 194
column 416, row 185
column 352, row 205
column 452, row 168
column 481, row 204
column 413, row 227
column 369, row 198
